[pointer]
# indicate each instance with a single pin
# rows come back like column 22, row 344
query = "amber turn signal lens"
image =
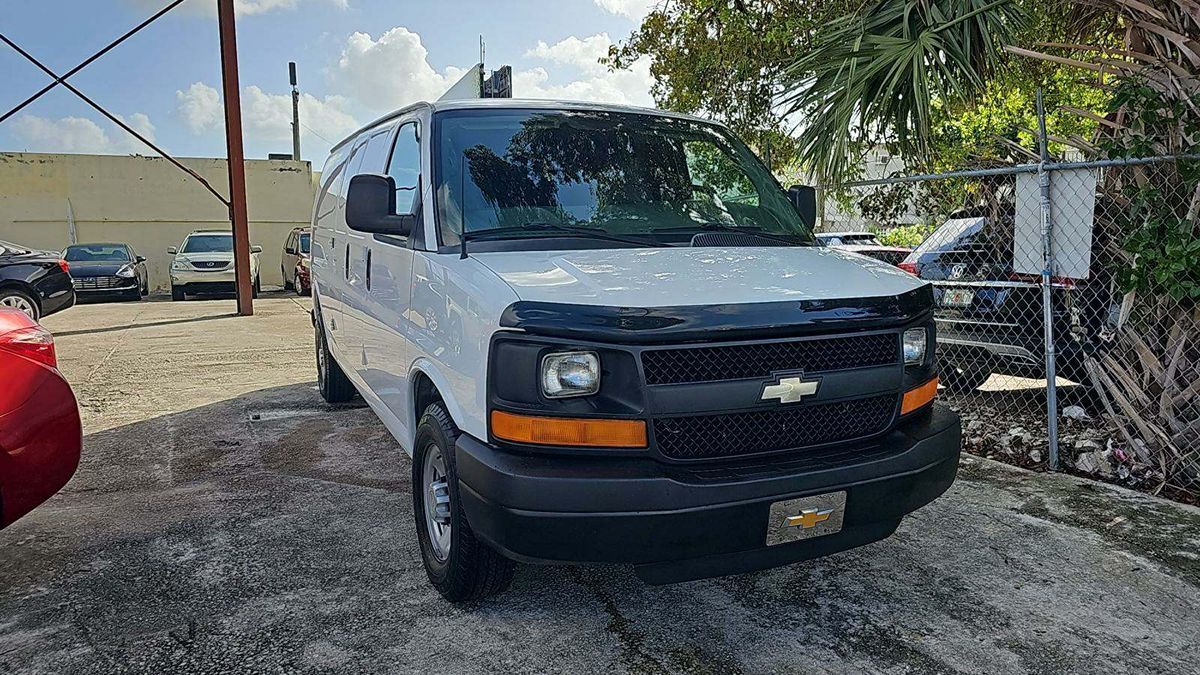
column 918, row 396
column 592, row 433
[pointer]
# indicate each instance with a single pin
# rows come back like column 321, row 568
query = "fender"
column 430, row 369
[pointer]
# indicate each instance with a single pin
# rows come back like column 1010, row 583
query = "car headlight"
column 179, row 264
column 126, row 272
column 566, row 374
column 915, row 344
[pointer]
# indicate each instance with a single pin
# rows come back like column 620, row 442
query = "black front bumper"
column 677, row 522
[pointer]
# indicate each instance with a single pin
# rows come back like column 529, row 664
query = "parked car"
column 107, row 270
column 635, row 353
column 293, row 266
column 204, row 264
column 864, row 243
column 40, row 431
column 990, row 319
column 36, row 282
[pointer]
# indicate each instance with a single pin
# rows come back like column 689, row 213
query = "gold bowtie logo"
column 790, row 389
column 809, row 518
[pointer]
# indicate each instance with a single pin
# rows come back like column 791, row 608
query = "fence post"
column 1047, row 279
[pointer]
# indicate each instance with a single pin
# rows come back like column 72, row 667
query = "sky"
column 357, row 59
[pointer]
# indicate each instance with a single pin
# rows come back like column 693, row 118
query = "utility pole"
column 236, row 157
column 295, row 112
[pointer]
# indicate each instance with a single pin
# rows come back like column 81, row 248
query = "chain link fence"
column 1068, row 330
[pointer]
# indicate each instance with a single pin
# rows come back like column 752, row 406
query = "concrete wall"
column 147, row 202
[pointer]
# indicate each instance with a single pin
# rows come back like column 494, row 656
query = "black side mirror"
column 291, row 250
column 140, row 258
column 371, row 206
column 804, row 198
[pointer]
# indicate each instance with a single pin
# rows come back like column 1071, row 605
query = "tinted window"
column 331, row 195
column 208, row 243
column 305, row 238
column 624, row 173
column 96, row 253
column 405, row 167
column 375, row 153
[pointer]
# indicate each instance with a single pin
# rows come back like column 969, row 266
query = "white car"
column 204, row 264
column 864, row 243
column 636, row 354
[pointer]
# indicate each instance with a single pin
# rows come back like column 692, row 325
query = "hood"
column 96, row 269
column 663, row 277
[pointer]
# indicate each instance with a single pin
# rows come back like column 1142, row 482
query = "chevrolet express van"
column 605, row 335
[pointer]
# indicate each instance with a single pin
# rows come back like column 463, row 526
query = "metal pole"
column 237, row 160
column 1047, row 276
column 295, row 112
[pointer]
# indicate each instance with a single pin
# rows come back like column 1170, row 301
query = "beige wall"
column 147, row 202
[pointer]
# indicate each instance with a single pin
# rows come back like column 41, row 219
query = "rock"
column 1088, row 445
column 1035, row 455
column 1074, row 412
column 974, row 425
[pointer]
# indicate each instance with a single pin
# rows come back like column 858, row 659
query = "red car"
column 40, row 432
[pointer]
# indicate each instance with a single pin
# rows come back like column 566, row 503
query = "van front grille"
column 773, row 430
column 734, row 362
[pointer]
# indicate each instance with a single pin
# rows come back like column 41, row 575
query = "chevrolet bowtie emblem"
column 809, row 518
column 790, row 389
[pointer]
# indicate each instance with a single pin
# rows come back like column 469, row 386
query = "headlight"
column 179, row 264
column 567, row 374
column 126, row 272
column 914, row 346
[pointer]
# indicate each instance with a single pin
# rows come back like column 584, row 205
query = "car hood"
column 662, row 277
column 96, row 269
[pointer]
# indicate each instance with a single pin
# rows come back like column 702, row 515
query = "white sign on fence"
column 1072, row 213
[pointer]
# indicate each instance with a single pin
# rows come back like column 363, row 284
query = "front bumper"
column 677, row 523
column 187, row 277
column 113, row 285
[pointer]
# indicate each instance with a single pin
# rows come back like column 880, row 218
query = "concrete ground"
column 225, row 519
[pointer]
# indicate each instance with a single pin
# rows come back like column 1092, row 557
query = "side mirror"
column 290, row 250
column 371, row 206
column 804, row 198
column 139, row 259
column 256, row 249
column 172, row 250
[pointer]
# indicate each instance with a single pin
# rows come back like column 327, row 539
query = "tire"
column 964, row 377
column 177, row 293
column 460, row 566
column 332, row 382
column 11, row 297
column 135, row 295
column 297, row 286
column 255, row 288
column 287, row 285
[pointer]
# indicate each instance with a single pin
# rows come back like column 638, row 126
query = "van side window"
column 375, row 153
column 330, row 191
column 405, row 167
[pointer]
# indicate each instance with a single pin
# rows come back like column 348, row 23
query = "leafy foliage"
column 908, row 236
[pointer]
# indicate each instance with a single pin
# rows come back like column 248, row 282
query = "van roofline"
column 515, row 104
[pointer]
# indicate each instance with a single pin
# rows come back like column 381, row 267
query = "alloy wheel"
column 22, row 303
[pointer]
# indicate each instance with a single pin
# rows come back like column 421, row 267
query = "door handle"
column 368, row 269
column 347, row 260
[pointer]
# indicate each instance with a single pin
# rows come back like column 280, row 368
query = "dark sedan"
column 35, row 282
column 107, row 270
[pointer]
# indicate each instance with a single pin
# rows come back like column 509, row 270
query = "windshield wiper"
column 552, row 228
column 720, row 227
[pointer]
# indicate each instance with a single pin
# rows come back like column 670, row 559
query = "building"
column 147, row 202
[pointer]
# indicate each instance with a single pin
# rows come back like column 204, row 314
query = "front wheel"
column 176, row 293
column 255, row 288
column 283, row 275
column 10, row 297
column 460, row 566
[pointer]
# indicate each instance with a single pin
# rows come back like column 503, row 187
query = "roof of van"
column 515, row 104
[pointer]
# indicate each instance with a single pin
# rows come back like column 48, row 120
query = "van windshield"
column 634, row 175
column 209, row 243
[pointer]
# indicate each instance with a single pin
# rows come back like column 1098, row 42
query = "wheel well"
column 425, row 393
column 24, row 288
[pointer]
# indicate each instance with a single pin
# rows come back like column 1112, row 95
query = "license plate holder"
column 957, row 297
column 806, row 518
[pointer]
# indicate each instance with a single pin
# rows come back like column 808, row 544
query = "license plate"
column 805, row 518
column 957, row 297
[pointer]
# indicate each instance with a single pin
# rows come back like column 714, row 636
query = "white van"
column 634, row 355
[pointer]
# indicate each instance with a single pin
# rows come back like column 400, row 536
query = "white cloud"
column 390, row 72
column 82, row 135
column 199, row 107
column 240, row 7
column 629, row 86
column 268, row 117
column 631, row 9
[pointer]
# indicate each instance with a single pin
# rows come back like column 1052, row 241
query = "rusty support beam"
column 88, row 61
column 237, row 161
column 113, row 118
